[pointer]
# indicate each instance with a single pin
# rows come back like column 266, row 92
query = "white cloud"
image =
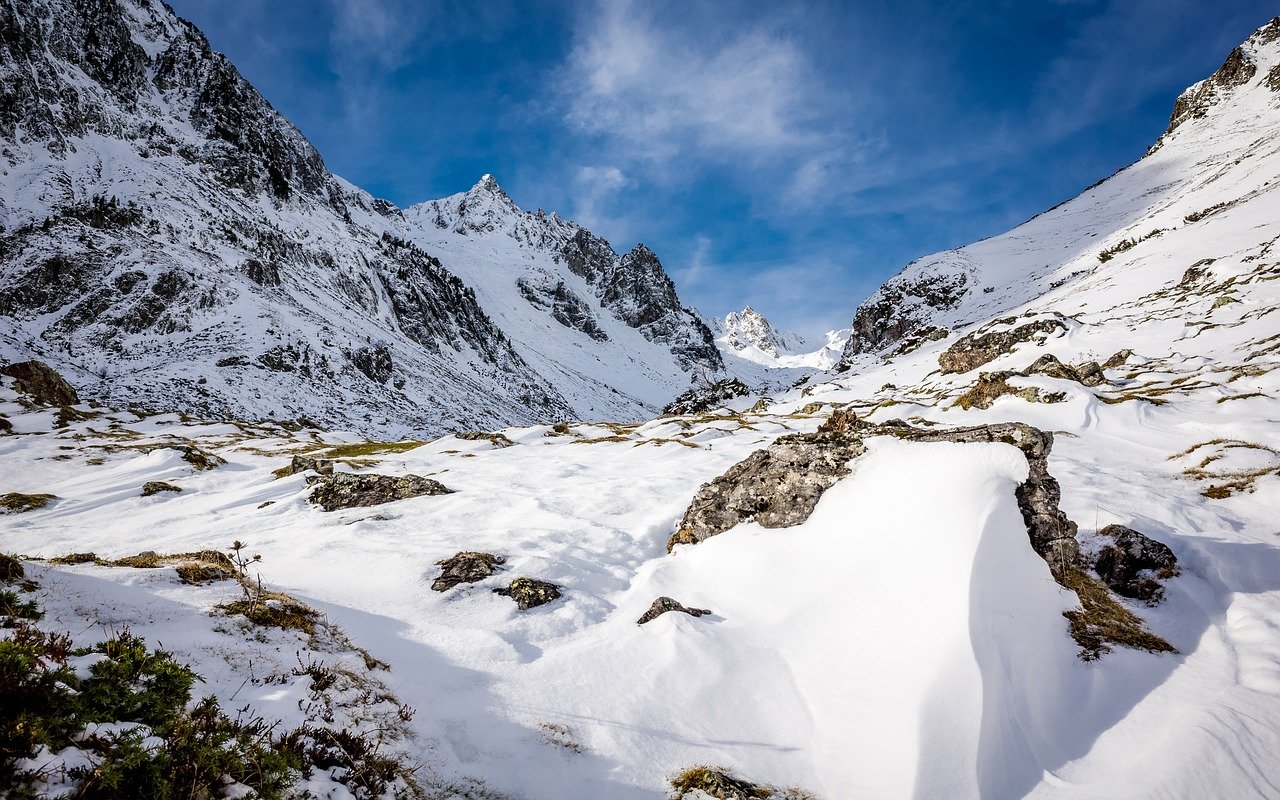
column 594, row 189
column 658, row 93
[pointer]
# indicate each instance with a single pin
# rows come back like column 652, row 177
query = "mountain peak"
column 748, row 328
column 1257, row 54
column 487, row 183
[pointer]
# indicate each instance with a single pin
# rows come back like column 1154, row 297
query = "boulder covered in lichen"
column 530, row 592
column 347, row 490
column 467, row 566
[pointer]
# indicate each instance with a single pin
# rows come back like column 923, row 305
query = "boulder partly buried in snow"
column 530, row 592
column 468, row 566
column 664, row 604
column 1133, row 564
column 320, row 466
column 346, row 490
column 41, row 383
column 777, row 487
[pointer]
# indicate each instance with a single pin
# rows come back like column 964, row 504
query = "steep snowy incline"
column 1219, row 154
column 172, row 242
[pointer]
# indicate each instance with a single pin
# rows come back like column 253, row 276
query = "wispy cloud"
column 661, row 96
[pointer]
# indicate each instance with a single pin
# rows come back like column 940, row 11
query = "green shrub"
column 44, row 702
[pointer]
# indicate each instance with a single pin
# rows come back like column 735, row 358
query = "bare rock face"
column 1133, row 564
column 345, row 490
column 530, row 592
column 467, row 566
column 777, row 487
column 664, row 604
column 41, row 383
column 978, row 348
column 1118, row 359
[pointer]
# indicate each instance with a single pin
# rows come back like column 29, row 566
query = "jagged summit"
column 170, row 241
column 748, row 328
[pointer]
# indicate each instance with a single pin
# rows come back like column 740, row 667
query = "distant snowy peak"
column 748, row 328
column 749, row 336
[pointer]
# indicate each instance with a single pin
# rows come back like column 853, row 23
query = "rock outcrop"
column 994, row 340
column 42, row 385
column 664, row 604
column 1133, row 564
column 776, row 487
column 320, row 466
column 467, row 566
column 530, row 592
column 705, row 398
column 156, row 487
column 347, row 490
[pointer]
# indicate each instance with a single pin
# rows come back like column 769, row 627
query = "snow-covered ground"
column 904, row 641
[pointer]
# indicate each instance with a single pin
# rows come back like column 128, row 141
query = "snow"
column 904, row 641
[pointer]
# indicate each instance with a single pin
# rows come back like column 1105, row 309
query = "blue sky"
column 790, row 155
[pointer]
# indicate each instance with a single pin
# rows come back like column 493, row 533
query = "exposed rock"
column 5, row 425
column 11, row 569
column 468, row 566
column 920, row 337
column 497, row 439
column 904, row 304
column 564, row 305
column 991, row 386
column 777, row 487
column 1119, row 359
column 978, row 348
column 664, row 604
column 155, row 487
column 705, row 398
column 199, row 459
column 1133, row 564
column 18, row 502
column 1052, row 535
column 321, row 466
column 374, row 362
column 1088, row 374
column 346, row 490
column 41, row 383
column 530, row 592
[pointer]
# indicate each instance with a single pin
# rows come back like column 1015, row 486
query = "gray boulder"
column 664, row 604
column 468, row 566
column 345, row 490
column 1133, row 564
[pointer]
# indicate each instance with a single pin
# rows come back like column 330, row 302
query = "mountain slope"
column 1219, row 154
column 172, row 242
column 908, row 638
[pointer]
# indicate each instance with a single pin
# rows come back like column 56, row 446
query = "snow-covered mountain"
column 746, row 334
column 1217, row 156
column 170, row 241
column 1023, row 545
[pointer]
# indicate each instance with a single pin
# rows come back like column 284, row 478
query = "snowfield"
column 903, row 641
